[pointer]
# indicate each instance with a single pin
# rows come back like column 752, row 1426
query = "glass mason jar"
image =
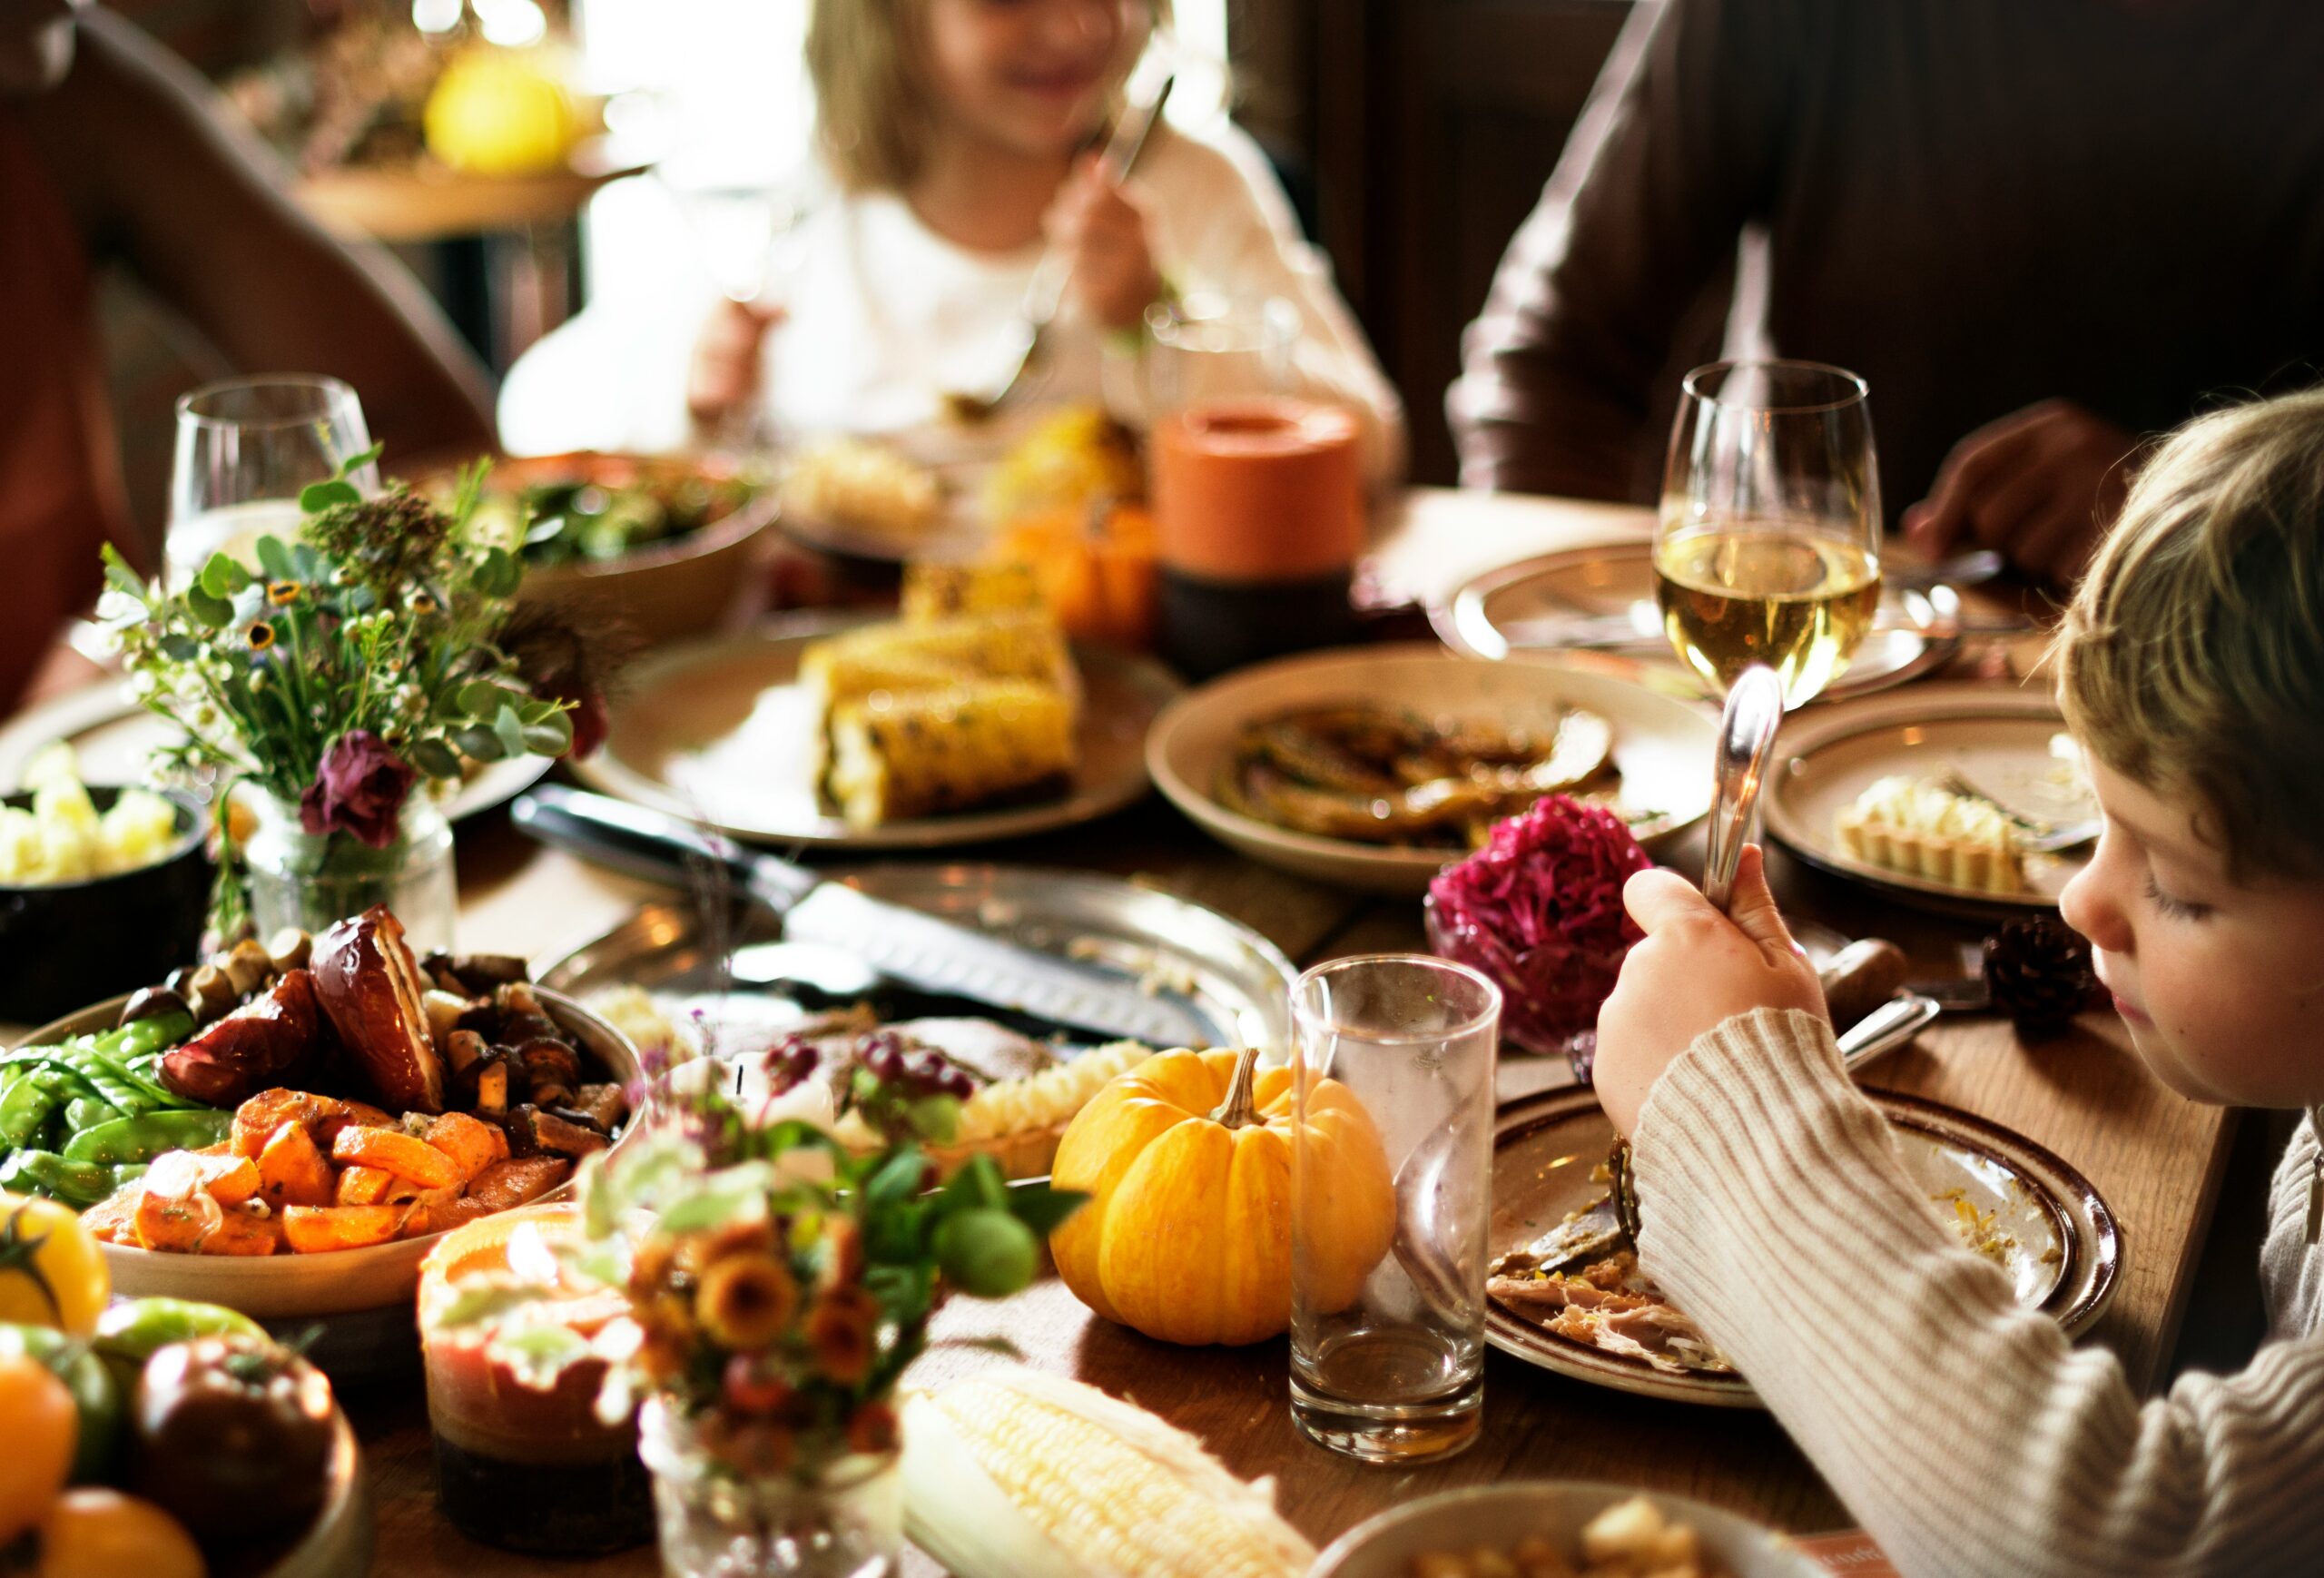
column 844, row 1520
column 298, row 879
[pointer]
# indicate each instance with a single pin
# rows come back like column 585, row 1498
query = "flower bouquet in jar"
column 335, row 681
column 777, row 1286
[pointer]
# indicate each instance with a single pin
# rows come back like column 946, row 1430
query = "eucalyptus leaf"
column 481, row 698
column 479, row 743
column 316, row 496
column 553, row 738
column 354, row 463
column 435, row 758
column 274, row 559
column 180, row 648
column 898, row 1179
column 510, row 731
column 213, row 611
column 223, row 576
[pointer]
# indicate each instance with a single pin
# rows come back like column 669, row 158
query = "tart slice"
column 1921, row 828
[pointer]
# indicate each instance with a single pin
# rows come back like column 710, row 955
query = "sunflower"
column 282, row 594
column 746, row 1300
column 838, row 1332
column 260, row 635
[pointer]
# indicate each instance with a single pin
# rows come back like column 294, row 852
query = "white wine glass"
column 1768, row 547
column 245, row 447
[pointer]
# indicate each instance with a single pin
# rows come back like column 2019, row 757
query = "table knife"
column 908, row 945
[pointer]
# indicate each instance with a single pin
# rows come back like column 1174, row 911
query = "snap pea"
column 24, row 1110
column 78, row 1184
column 87, row 1112
column 143, row 1139
column 119, row 1087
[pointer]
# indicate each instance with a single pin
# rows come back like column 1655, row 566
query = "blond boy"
column 1965, row 1432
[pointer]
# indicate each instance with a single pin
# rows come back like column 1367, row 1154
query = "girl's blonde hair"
column 872, row 95
column 2192, row 660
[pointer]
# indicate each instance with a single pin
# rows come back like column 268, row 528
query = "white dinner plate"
column 2006, row 741
column 1662, row 746
column 719, row 731
column 113, row 738
column 2051, row 1233
column 1525, row 607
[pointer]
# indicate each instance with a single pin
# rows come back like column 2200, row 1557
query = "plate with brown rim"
column 2051, row 1233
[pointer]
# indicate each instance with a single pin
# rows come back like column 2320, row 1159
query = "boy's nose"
column 2090, row 906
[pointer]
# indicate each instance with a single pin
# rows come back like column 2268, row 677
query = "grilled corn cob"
column 1019, row 1473
column 1020, row 645
column 898, row 753
column 945, row 591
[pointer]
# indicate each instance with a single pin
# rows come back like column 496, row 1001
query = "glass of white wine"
column 1768, row 549
column 245, row 447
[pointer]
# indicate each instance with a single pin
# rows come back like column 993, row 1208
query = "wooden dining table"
column 2156, row 1158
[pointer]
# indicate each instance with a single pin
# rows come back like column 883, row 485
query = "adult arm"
column 1963, row 1430
column 1677, row 147
column 195, row 206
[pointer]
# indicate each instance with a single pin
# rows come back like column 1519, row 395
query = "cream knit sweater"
column 1965, row 1432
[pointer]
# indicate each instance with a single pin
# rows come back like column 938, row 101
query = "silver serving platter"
column 1235, row 980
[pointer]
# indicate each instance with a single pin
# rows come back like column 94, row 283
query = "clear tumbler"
column 1391, row 1184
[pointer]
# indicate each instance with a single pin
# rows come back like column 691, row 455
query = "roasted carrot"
column 322, row 1117
column 317, row 1229
column 472, row 1144
column 293, row 1172
column 399, row 1153
column 507, row 1184
column 362, row 1186
column 244, row 1230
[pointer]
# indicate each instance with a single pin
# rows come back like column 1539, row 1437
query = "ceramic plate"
column 2062, row 1249
column 1500, row 1515
column 1521, row 607
column 718, row 731
column 1234, row 979
column 113, row 737
column 2011, row 743
column 1663, row 746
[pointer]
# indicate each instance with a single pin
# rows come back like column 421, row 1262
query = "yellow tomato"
column 38, row 1423
column 50, row 1272
column 102, row 1534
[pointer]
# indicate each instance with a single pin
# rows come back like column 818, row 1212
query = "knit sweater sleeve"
column 1964, row 1432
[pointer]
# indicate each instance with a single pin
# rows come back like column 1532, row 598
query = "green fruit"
column 129, row 1332
column 96, row 1398
column 986, row 1252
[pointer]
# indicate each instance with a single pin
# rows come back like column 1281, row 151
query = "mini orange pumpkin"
column 1187, row 1237
column 1094, row 567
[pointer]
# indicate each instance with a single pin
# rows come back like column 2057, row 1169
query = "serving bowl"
column 681, row 587
column 67, row 943
column 338, row 1282
column 1500, row 1515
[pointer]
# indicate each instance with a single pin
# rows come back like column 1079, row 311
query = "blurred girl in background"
column 956, row 141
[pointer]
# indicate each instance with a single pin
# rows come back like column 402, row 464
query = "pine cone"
column 2038, row 972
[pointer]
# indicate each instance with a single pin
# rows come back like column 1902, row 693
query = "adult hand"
column 1696, row 969
column 1101, row 228
column 2041, row 485
column 722, row 381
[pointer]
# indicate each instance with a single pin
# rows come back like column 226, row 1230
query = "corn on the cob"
column 1019, row 1473
column 1019, row 645
column 946, row 591
column 898, row 753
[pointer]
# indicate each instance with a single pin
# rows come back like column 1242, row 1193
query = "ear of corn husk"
column 1014, row 1474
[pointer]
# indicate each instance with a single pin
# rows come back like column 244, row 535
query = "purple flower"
column 360, row 791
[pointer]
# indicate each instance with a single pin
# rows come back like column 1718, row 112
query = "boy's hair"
column 2192, row 660
column 873, row 119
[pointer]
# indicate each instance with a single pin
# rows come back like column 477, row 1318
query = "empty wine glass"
column 245, row 447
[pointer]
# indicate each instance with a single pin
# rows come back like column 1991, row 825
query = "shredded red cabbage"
column 1538, row 910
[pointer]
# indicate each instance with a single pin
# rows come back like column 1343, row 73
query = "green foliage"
column 383, row 618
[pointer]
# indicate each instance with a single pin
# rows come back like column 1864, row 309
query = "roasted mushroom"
column 368, row 985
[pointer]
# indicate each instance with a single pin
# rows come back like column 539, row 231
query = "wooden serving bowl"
column 283, row 1287
column 664, row 590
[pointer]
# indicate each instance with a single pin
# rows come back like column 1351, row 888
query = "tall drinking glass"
column 1767, row 549
column 1391, row 1184
column 244, row 449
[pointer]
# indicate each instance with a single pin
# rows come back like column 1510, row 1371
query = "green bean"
column 143, row 1139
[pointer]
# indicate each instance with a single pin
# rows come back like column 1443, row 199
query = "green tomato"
column 986, row 1252
column 97, row 1394
column 130, row 1332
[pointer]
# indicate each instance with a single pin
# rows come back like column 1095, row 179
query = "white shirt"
column 884, row 316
